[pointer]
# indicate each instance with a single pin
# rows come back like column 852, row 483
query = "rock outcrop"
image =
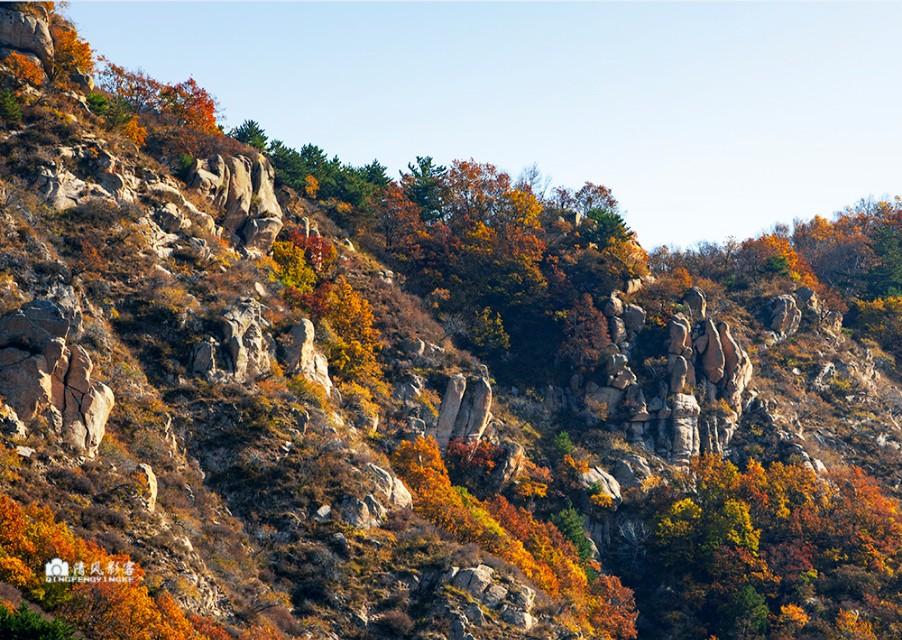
column 242, row 351
column 466, row 409
column 685, row 437
column 300, row 355
column 785, row 315
column 512, row 600
column 40, row 370
column 697, row 303
column 696, row 400
column 598, row 480
column 27, row 33
column 242, row 189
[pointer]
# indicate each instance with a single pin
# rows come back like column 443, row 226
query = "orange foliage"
column 775, row 253
column 24, row 68
column 106, row 610
column 70, row 53
column 311, row 187
column 134, row 131
column 185, row 104
column 538, row 549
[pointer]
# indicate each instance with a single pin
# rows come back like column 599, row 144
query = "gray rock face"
column 711, row 350
column 785, row 315
column 613, row 307
column 40, row 370
column 511, row 599
column 26, row 33
column 242, row 354
column 475, row 410
column 604, row 482
column 454, row 395
column 737, row 367
column 390, row 487
column 10, row 425
column 684, row 415
column 698, row 305
column 466, row 409
column 149, row 478
column 301, row 356
column 634, row 318
column 242, row 188
column 244, row 340
column 679, row 329
column 632, row 470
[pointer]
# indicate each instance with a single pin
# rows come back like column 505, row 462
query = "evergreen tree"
column 251, row 134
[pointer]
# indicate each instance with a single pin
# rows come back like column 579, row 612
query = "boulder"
column 597, row 479
column 245, row 342
column 679, row 330
column 357, row 513
column 390, row 487
column 679, row 370
column 698, row 306
column 474, row 580
column 617, row 330
column 26, row 33
column 603, row 401
column 475, row 410
column 466, row 409
column 613, row 306
column 301, row 356
column 710, row 347
column 785, row 315
column 447, row 417
column 634, row 318
column 737, row 368
column 10, row 425
column 632, row 470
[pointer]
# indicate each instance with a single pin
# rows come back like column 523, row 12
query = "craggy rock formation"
column 466, row 409
column 242, row 352
column 26, row 32
column 301, row 356
column 41, row 371
column 512, row 600
column 785, row 315
column 241, row 188
column 696, row 400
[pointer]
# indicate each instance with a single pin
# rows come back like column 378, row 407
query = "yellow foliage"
column 311, row 187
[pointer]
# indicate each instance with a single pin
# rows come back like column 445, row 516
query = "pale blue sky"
column 707, row 120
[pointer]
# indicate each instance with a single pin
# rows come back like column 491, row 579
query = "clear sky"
column 707, row 120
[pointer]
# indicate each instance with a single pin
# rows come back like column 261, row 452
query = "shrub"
column 291, row 268
column 10, row 111
column 134, row 131
column 24, row 624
